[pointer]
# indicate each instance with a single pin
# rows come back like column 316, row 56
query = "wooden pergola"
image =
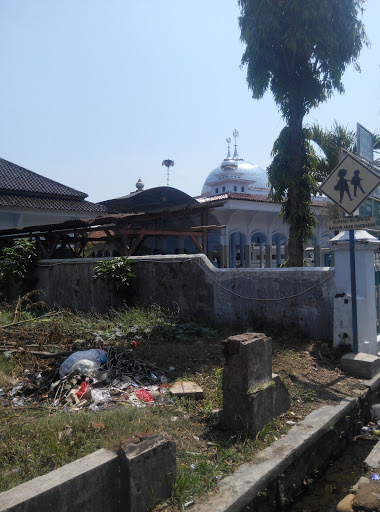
column 125, row 231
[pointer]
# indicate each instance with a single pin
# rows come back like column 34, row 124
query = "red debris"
column 144, row 395
column 82, row 389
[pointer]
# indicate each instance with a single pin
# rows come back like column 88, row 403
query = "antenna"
column 168, row 163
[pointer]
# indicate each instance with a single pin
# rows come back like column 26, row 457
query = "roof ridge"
column 15, row 178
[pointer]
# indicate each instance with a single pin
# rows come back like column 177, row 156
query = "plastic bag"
column 94, row 355
column 100, row 395
column 89, row 369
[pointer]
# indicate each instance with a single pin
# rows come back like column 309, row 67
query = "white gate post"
column 365, row 245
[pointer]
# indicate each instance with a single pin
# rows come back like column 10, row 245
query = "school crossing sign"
column 350, row 184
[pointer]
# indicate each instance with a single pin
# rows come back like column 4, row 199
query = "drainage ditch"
column 330, row 487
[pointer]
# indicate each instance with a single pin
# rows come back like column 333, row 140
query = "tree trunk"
column 295, row 126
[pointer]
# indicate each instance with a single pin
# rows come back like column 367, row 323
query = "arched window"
column 216, row 190
column 242, row 189
column 235, row 188
column 223, row 189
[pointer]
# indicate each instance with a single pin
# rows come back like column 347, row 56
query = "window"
column 235, row 188
column 216, row 190
column 242, row 189
column 223, row 189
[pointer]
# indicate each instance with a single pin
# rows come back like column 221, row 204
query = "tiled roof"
column 247, row 197
column 15, row 179
column 49, row 203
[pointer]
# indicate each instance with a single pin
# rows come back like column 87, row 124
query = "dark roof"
column 149, row 199
column 49, row 203
column 261, row 198
column 18, row 180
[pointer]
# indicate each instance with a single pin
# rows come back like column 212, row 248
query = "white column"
column 224, row 249
column 317, row 251
column 365, row 245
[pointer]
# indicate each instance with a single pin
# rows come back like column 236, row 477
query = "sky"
column 96, row 94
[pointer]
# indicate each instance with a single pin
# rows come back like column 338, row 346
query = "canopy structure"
column 124, row 232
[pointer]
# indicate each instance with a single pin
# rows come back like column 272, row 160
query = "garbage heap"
column 94, row 379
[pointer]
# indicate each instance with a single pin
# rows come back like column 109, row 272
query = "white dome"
column 250, row 175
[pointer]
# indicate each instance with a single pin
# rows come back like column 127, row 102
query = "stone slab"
column 373, row 459
column 367, row 496
column 362, row 480
column 373, row 383
column 187, row 389
column 345, row 505
column 361, row 364
column 238, row 490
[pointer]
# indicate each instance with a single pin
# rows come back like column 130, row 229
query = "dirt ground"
column 205, row 451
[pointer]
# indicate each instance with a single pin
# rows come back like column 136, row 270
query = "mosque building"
column 253, row 234
column 244, row 226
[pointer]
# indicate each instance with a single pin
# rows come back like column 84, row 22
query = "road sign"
column 364, row 140
column 348, row 223
column 350, row 183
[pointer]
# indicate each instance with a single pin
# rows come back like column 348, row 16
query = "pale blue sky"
column 95, row 93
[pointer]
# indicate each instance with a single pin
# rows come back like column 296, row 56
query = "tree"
column 298, row 49
column 330, row 141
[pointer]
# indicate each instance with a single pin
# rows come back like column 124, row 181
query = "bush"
column 17, row 265
column 116, row 272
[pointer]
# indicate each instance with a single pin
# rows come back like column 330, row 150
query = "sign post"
column 348, row 186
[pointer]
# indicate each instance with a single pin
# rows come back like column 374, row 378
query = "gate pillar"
column 365, row 245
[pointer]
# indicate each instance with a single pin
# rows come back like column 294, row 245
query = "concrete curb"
column 238, row 490
column 130, row 480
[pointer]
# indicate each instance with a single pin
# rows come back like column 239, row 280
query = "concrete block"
column 248, row 361
column 257, row 407
column 147, row 471
column 375, row 412
column 90, row 483
column 361, row 364
column 187, row 389
column 252, row 396
column 373, row 459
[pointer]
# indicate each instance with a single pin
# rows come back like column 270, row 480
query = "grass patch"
column 36, row 439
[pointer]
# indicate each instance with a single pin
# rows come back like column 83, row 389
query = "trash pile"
column 94, row 379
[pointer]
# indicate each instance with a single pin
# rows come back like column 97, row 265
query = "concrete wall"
column 130, row 481
column 293, row 298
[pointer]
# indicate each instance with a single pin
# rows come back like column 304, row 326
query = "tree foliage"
column 282, row 180
column 330, row 141
column 299, row 50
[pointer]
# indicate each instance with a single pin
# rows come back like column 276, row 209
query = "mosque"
column 244, row 226
column 253, row 234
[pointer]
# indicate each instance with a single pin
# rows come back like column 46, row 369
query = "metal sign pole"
column 353, row 293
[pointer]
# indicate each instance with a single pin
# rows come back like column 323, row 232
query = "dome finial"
column 139, row 185
column 236, row 135
column 228, row 140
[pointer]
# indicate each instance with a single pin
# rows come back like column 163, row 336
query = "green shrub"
column 17, row 265
column 116, row 272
